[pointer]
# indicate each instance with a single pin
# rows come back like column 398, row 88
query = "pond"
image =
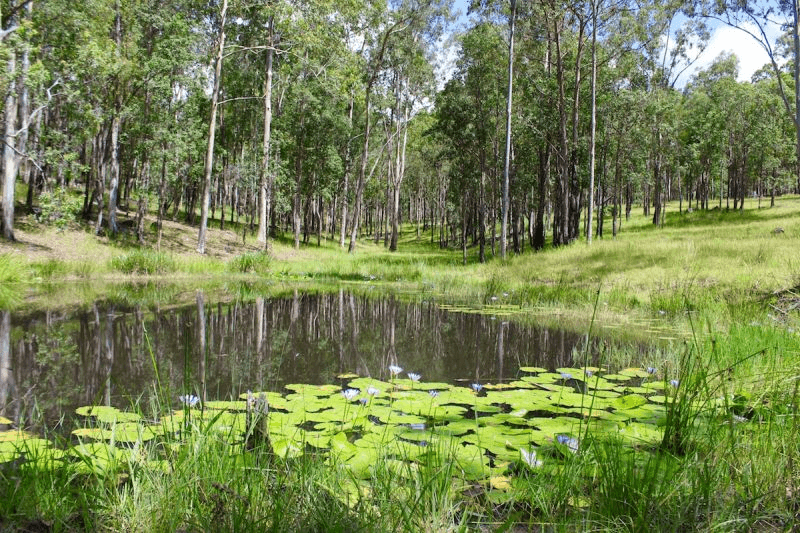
column 115, row 354
column 360, row 378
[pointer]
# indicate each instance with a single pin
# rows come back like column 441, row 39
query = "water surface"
column 54, row 361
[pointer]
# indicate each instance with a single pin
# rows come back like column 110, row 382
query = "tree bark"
column 265, row 189
column 212, row 126
column 507, row 164
column 10, row 159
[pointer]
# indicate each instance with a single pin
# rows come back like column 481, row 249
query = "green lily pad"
column 629, row 401
column 107, row 414
column 30, row 448
column 533, row 369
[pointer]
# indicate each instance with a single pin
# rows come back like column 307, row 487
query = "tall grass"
column 144, row 262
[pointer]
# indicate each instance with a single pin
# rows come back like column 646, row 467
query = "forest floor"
column 37, row 242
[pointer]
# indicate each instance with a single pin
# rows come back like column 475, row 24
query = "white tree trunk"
column 10, row 159
column 212, row 126
column 265, row 190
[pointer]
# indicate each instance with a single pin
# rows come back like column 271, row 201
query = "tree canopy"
column 326, row 119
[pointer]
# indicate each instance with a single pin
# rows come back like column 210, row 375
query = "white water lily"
column 674, row 383
column 476, row 387
column 413, row 376
column 433, row 393
column 372, row 391
column 566, row 375
column 189, row 399
column 529, row 457
column 394, row 369
column 349, row 394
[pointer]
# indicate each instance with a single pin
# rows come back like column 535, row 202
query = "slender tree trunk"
column 265, row 189
column 346, row 177
column 362, row 173
column 113, row 188
column 212, row 126
column 10, row 159
column 507, row 164
column 593, row 127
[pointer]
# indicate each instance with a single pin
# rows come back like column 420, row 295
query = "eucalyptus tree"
column 219, row 20
column 759, row 19
column 382, row 28
column 9, row 19
column 470, row 116
column 411, row 82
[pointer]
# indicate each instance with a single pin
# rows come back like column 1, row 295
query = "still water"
column 54, row 361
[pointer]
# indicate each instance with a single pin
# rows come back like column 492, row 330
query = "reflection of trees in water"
column 219, row 350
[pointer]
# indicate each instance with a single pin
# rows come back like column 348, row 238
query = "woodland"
column 463, row 159
column 348, row 119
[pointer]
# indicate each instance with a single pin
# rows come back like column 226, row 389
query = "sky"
column 724, row 39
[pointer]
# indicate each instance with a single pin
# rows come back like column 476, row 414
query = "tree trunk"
column 10, row 159
column 346, row 177
column 507, row 164
column 113, row 188
column 265, row 189
column 212, row 126
column 593, row 127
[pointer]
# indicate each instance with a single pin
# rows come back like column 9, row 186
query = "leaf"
column 500, row 483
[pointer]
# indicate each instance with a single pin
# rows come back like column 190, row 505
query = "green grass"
column 144, row 262
column 729, row 458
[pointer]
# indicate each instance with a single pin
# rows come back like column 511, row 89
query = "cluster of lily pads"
column 482, row 429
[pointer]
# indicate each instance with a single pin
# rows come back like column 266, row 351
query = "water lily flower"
column 529, row 457
column 566, row 375
column 362, row 401
column 413, row 376
column 349, row 394
column 588, row 373
column 476, row 387
column 394, row 369
column 651, row 370
column 417, row 427
column 433, row 393
column 569, row 442
column 189, row 399
column 674, row 383
column 372, row 391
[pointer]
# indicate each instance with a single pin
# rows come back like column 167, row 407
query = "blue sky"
column 724, row 39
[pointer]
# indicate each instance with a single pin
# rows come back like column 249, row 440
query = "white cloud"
column 725, row 39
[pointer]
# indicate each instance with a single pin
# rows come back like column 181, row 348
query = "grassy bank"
column 723, row 261
column 724, row 457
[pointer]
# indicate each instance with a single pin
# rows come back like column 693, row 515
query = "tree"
column 212, row 126
column 754, row 18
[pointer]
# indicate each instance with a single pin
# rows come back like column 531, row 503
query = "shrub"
column 144, row 262
column 255, row 262
column 59, row 208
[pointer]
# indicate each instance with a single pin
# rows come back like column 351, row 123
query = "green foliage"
column 12, row 269
column 59, row 208
column 144, row 262
column 49, row 269
column 251, row 262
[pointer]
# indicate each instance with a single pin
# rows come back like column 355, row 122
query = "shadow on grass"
column 716, row 217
